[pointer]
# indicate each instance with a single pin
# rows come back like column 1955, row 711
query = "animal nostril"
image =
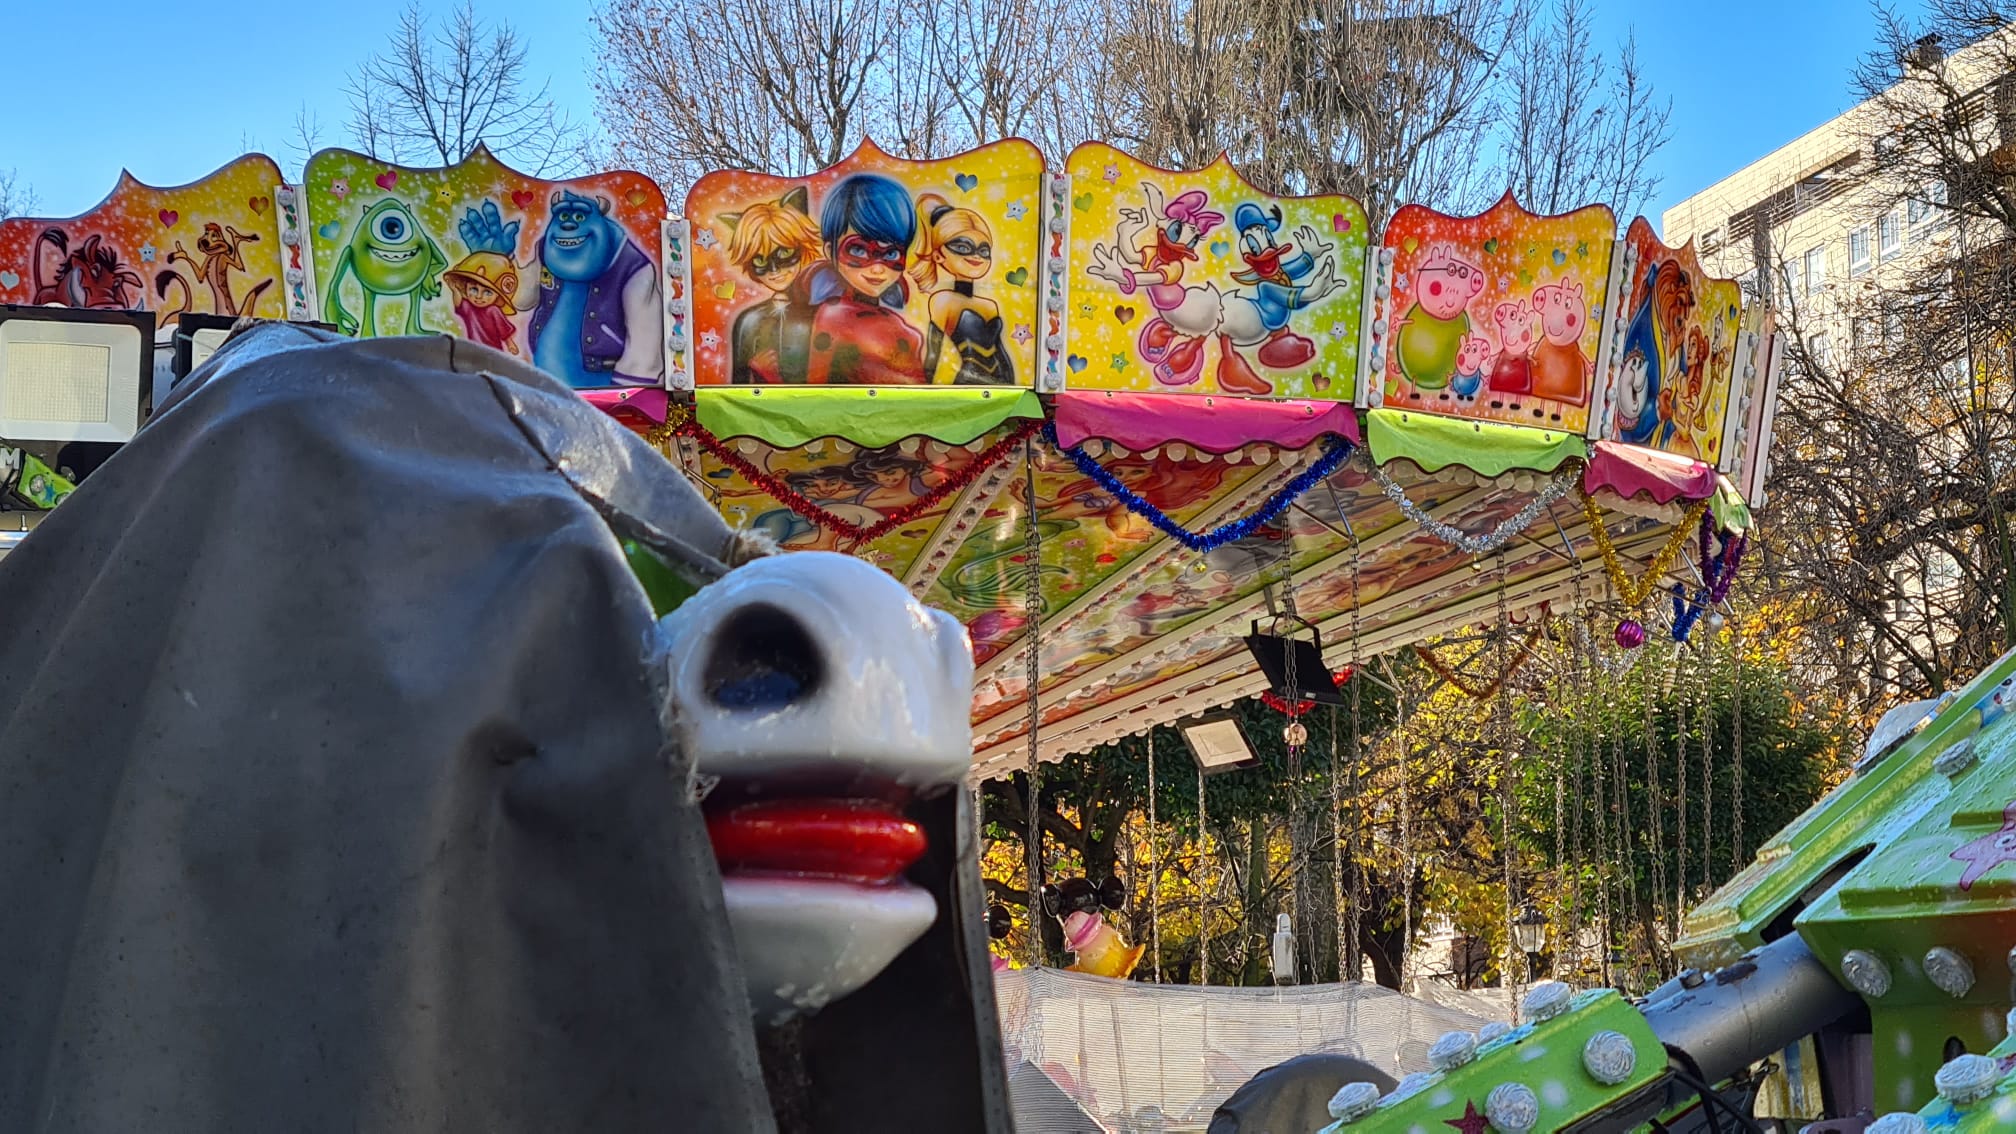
column 762, row 658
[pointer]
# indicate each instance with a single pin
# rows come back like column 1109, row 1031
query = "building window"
column 1816, row 268
column 1792, row 277
column 1858, row 251
column 1889, row 236
column 1822, row 351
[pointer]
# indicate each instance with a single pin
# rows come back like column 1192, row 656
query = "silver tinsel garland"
column 1497, row 537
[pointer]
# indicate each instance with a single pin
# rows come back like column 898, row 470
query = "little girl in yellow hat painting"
column 483, row 284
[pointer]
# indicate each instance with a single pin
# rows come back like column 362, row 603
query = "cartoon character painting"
column 596, row 319
column 1148, row 252
column 90, row 275
column 876, row 271
column 1149, row 248
column 1433, row 330
column 859, row 335
column 218, row 254
column 1637, row 401
column 775, row 244
column 1560, row 370
column 1521, row 282
column 1285, row 278
column 484, row 284
column 956, row 242
column 1470, row 360
column 1517, row 326
column 391, row 258
column 1656, row 335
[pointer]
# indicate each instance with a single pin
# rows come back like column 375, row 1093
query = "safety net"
column 1087, row 1055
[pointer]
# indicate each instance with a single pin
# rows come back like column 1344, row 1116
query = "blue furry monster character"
column 596, row 319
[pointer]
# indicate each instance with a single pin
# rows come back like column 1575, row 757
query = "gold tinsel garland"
column 1633, row 593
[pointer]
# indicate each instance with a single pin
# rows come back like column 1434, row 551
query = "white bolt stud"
column 1513, row 1108
column 1967, row 1079
column 1353, row 1101
column 1546, row 1000
column 1866, row 973
column 1949, row 971
column 1609, row 1057
column 1453, row 1050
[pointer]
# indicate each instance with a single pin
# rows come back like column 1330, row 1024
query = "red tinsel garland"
column 1279, row 704
column 689, row 426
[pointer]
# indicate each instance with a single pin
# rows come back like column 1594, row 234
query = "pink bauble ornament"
column 1630, row 634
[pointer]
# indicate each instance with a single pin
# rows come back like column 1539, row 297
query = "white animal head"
column 816, row 696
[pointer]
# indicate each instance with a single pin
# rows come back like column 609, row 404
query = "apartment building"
column 1828, row 212
column 1849, row 240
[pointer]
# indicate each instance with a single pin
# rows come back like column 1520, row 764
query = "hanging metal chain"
column 1337, row 846
column 1032, row 612
column 1406, row 844
column 1564, row 926
column 1203, row 888
column 1354, row 924
column 1296, row 734
column 1737, row 857
column 1680, row 773
column 1705, row 719
column 1654, row 796
column 1622, row 827
column 1502, row 737
column 1154, row 868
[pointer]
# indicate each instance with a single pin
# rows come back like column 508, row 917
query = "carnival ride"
column 1117, row 420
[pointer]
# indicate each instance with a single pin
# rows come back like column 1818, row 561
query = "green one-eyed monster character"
column 390, row 256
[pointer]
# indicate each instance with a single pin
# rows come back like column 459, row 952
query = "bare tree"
column 1577, row 127
column 435, row 95
column 786, row 86
column 1385, row 101
column 1893, row 481
column 16, row 197
column 307, row 137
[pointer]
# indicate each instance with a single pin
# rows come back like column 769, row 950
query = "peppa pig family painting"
column 1497, row 316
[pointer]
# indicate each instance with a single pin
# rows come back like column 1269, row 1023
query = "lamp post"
column 1529, row 932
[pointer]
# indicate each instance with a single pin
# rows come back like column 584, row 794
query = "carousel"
column 1159, row 440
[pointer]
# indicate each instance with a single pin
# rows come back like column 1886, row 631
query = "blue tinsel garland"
column 1336, row 451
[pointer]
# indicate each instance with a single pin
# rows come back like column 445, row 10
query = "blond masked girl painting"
column 955, row 244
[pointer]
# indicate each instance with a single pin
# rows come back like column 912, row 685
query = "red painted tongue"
column 851, row 840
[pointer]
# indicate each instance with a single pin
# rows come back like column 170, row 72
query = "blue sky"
column 1745, row 77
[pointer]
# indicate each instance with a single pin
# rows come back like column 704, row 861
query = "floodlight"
column 1313, row 679
column 198, row 335
column 1218, row 744
column 70, row 374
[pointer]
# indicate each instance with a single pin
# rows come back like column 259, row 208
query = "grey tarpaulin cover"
column 334, row 793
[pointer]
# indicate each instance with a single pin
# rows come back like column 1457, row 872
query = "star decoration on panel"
column 1471, row 1122
column 1989, row 851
